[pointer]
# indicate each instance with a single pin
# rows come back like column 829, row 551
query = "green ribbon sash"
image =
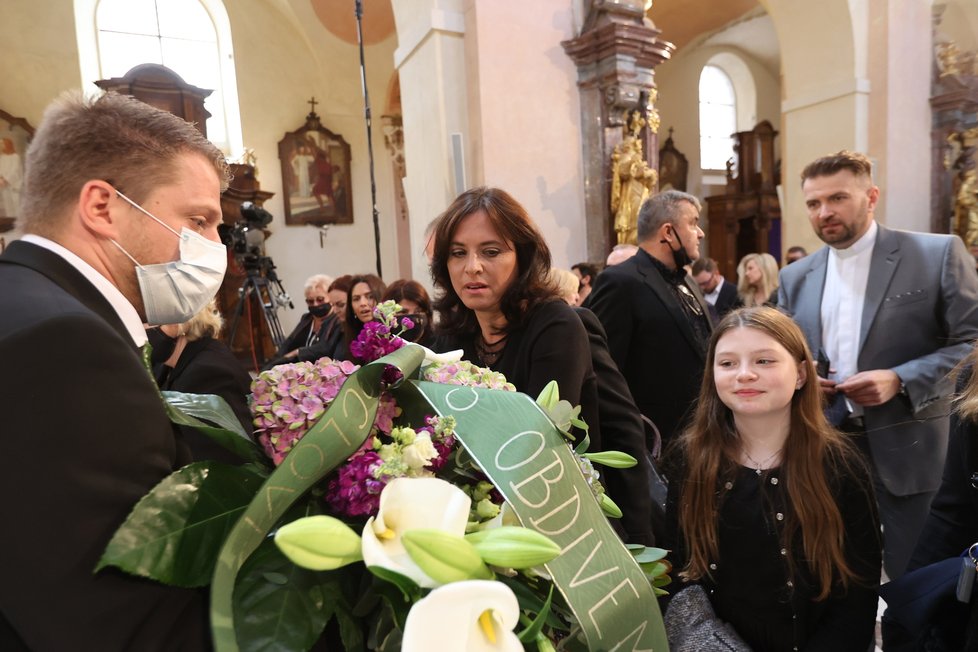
column 522, row 453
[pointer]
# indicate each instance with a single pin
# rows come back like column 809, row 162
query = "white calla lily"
column 470, row 616
column 407, row 504
column 430, row 357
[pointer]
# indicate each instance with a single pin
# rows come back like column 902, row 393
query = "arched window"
column 718, row 118
column 190, row 37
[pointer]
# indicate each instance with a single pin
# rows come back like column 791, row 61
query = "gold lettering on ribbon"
column 610, row 597
column 313, row 470
column 574, row 580
column 547, row 482
column 331, row 424
column 460, row 408
column 574, row 500
column 635, row 634
column 362, row 404
column 270, row 502
column 527, row 460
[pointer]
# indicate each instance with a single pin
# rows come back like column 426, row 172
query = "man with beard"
column 889, row 313
column 656, row 319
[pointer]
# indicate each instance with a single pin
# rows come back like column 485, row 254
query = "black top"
column 550, row 345
column 207, row 366
column 751, row 586
column 952, row 525
column 622, row 429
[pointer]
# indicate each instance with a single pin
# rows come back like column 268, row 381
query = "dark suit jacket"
column 920, row 319
column 728, row 299
column 651, row 340
column 86, row 437
column 622, row 430
column 207, row 366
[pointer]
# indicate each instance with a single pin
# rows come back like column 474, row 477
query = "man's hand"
column 874, row 387
column 829, row 387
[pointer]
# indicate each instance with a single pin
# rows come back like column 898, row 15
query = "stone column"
column 394, row 141
column 616, row 53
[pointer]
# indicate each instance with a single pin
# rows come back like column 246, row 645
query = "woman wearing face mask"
column 491, row 267
column 363, row 296
column 771, row 510
column 415, row 305
column 312, row 325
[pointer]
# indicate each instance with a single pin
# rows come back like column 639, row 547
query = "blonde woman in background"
column 757, row 280
column 567, row 284
column 189, row 358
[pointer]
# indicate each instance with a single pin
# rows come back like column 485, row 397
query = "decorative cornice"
column 615, row 39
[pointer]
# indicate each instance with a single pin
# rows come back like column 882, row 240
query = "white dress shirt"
column 846, row 276
column 711, row 297
column 128, row 315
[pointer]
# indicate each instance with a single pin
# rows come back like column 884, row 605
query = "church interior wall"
column 526, row 115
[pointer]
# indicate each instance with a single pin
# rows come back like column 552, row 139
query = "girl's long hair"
column 711, row 446
column 532, row 285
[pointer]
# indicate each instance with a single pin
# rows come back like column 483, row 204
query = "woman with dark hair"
column 491, row 267
column 415, row 305
column 361, row 299
column 770, row 509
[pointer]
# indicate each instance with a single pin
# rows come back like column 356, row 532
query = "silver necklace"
column 760, row 466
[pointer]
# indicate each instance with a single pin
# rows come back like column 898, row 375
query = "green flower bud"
column 544, row 644
column 443, row 556
column 614, row 459
column 319, row 543
column 513, row 547
column 609, row 507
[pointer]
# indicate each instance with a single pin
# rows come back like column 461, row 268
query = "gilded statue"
column 961, row 158
column 631, row 182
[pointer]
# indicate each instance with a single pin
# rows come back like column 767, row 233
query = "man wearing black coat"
column 718, row 293
column 657, row 323
column 109, row 184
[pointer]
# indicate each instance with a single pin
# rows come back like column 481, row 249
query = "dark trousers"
column 902, row 517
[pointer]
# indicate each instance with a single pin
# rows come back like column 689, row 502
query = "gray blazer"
column 920, row 319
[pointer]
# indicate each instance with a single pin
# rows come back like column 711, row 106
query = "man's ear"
column 874, row 196
column 95, row 202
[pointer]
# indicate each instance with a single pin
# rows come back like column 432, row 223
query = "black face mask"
column 416, row 332
column 320, row 311
column 679, row 256
column 163, row 345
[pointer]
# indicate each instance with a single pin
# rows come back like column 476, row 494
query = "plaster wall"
column 432, row 71
column 525, row 115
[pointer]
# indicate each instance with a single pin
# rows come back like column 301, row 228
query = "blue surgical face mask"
column 176, row 291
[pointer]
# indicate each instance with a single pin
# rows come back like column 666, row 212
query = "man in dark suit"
column 720, row 295
column 657, row 322
column 891, row 312
column 121, row 205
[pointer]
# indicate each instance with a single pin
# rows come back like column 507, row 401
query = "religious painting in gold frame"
column 316, row 182
column 15, row 134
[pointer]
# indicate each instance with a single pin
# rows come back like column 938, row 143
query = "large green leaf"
column 188, row 410
column 175, row 532
column 280, row 606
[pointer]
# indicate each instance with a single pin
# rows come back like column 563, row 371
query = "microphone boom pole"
column 370, row 146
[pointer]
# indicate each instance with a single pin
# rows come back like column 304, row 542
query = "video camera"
column 246, row 238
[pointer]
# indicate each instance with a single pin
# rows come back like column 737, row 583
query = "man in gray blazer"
column 889, row 313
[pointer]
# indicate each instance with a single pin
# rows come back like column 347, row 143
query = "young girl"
column 770, row 509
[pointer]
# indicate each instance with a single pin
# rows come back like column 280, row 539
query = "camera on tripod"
column 246, row 238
